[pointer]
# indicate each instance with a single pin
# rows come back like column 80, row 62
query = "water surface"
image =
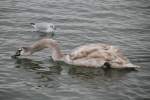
column 124, row 23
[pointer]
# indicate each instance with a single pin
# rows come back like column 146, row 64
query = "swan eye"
column 18, row 53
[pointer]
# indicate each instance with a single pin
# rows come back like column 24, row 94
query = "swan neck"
column 57, row 55
column 47, row 43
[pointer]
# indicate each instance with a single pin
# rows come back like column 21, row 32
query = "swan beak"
column 16, row 54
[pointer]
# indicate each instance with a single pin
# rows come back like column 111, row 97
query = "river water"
column 124, row 23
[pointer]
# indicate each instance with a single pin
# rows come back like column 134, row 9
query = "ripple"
column 123, row 23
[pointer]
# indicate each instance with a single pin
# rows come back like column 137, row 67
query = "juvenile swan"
column 44, row 27
column 90, row 55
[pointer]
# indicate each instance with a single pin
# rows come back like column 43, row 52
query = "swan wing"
column 86, row 50
column 91, row 55
column 95, row 55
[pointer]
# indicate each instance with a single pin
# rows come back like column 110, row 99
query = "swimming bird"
column 44, row 27
column 88, row 55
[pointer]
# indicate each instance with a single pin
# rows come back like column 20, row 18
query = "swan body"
column 44, row 27
column 89, row 55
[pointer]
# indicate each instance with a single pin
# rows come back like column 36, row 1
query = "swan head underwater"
column 37, row 46
column 24, row 51
column 89, row 55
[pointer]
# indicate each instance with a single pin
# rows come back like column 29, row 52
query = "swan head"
column 22, row 51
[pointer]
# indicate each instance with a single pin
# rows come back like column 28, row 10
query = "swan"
column 44, row 27
column 89, row 55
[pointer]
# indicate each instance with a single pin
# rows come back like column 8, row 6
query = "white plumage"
column 44, row 27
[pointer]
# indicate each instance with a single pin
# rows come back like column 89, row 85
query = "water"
column 124, row 23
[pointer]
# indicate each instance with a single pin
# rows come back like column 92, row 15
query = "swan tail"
column 130, row 65
column 120, row 66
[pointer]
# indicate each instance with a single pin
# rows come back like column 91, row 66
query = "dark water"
column 124, row 23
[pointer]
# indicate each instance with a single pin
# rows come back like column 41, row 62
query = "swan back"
column 96, row 55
